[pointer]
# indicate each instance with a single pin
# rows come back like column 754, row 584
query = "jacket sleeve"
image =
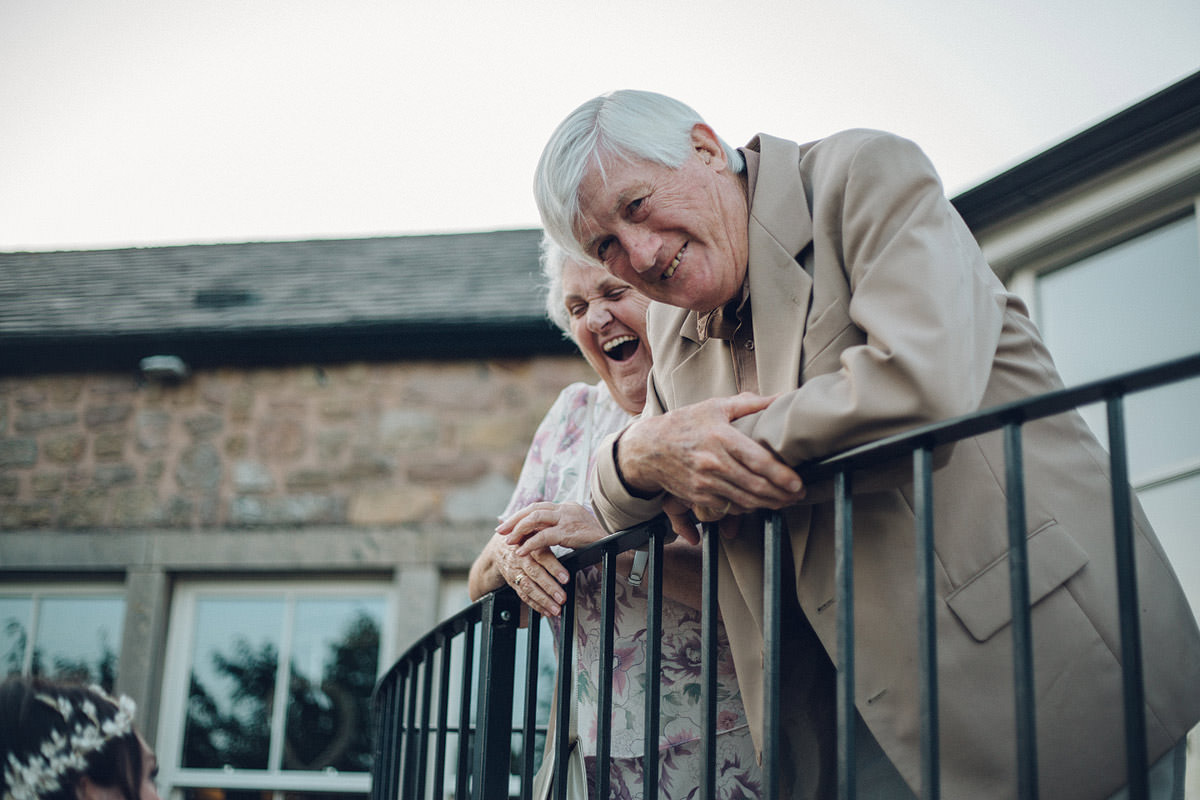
column 616, row 508
column 920, row 330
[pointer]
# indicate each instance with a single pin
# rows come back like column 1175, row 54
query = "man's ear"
column 708, row 147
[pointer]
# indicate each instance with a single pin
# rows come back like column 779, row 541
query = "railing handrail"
column 993, row 418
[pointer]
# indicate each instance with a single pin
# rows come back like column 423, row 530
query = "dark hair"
column 36, row 711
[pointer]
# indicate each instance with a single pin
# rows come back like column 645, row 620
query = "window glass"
column 335, row 659
column 66, row 636
column 232, row 685
column 1174, row 508
column 1127, row 307
column 267, row 689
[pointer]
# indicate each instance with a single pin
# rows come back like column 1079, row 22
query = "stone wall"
column 365, row 444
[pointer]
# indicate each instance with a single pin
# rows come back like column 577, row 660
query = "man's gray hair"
column 628, row 124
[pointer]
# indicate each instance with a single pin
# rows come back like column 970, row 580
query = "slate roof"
column 435, row 296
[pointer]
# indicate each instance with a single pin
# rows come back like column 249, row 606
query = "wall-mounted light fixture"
column 163, row 369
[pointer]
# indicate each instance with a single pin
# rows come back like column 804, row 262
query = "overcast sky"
column 143, row 122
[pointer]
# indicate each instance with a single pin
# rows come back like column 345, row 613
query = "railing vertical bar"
column 608, row 609
column 927, row 622
column 445, row 648
column 654, row 567
column 1022, row 629
column 843, row 537
column 564, row 695
column 383, row 779
column 411, row 735
column 401, row 701
column 383, row 784
column 708, row 661
column 493, row 752
column 423, row 726
column 529, row 723
column 1127, row 604
column 465, row 743
column 772, row 644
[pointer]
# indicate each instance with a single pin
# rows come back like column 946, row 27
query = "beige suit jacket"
column 874, row 312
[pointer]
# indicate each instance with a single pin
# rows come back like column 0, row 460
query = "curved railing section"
column 473, row 659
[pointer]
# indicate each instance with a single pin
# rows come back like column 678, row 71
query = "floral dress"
column 557, row 469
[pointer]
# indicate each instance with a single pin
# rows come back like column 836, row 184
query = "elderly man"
column 836, row 277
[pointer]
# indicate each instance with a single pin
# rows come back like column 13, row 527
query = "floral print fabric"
column 557, row 469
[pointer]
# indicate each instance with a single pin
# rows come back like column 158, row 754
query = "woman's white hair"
column 628, row 124
column 553, row 259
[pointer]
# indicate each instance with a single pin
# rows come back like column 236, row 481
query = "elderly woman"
column 62, row 742
column 836, row 277
column 550, row 508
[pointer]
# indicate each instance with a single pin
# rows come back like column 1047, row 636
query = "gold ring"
column 725, row 510
column 517, row 582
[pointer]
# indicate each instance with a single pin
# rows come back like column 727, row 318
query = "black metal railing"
column 408, row 721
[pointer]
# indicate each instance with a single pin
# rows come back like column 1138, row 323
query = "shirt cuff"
column 617, row 507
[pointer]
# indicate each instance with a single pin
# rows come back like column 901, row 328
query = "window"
column 1132, row 305
column 267, row 689
column 64, row 633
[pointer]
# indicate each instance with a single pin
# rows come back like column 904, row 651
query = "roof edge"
column 39, row 354
column 1162, row 118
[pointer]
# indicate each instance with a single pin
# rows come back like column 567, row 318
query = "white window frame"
column 180, row 637
column 1098, row 214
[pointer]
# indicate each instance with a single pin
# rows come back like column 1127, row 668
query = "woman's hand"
column 533, row 577
column 520, row 551
column 542, row 525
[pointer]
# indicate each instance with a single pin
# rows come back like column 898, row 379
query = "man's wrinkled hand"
column 696, row 454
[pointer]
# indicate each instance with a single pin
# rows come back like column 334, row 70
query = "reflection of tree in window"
column 98, row 666
column 327, row 720
column 80, row 670
column 239, row 738
column 14, row 656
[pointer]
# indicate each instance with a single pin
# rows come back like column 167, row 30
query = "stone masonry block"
column 65, row 448
column 202, row 426
column 34, row 421
column 99, row 416
column 484, row 500
column 199, row 467
column 152, row 429
column 48, row 483
column 18, row 452
column 388, row 506
column 252, row 477
column 114, row 475
column 109, row 446
column 83, row 509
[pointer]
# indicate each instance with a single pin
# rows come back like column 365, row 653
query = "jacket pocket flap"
column 982, row 603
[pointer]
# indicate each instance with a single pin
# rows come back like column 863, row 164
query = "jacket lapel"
column 780, row 290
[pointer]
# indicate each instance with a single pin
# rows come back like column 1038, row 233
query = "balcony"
column 457, row 715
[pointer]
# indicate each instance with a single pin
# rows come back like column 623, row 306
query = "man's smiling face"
column 678, row 235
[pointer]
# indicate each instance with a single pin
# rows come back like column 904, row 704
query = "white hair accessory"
column 60, row 754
